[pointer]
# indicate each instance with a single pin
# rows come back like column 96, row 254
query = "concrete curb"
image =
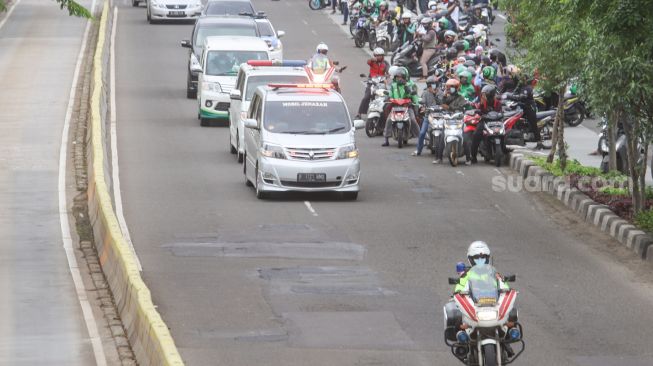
column 591, row 211
column 148, row 334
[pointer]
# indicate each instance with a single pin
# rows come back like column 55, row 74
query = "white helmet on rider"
column 322, row 48
column 432, row 5
column 379, row 51
column 426, row 21
column 478, row 253
column 406, row 15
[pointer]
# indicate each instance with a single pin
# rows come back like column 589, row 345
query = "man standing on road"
column 429, row 41
column 430, row 97
column 524, row 95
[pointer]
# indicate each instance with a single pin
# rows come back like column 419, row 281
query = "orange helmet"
column 453, row 83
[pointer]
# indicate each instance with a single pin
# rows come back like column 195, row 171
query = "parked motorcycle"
column 518, row 131
column 374, row 124
column 621, row 144
column 575, row 108
column 400, row 119
column 361, row 33
column 354, row 13
column 481, row 323
column 406, row 56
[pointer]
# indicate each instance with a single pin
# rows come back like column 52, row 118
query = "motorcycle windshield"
column 319, row 64
column 483, row 284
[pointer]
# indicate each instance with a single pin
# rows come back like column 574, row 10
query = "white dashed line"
column 310, row 208
column 460, row 172
column 314, row 32
column 304, row 21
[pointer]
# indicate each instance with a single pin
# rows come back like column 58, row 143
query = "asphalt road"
column 246, row 282
column 41, row 321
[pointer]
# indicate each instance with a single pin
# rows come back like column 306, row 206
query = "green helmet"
column 444, row 21
column 489, row 73
column 466, row 44
column 460, row 68
column 466, row 74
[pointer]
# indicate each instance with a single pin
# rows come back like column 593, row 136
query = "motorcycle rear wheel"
column 385, row 44
column 579, row 117
column 489, row 355
column 400, row 138
column 358, row 42
column 315, row 4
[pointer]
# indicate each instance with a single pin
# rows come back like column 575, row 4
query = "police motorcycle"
column 481, row 324
column 379, row 96
column 320, row 71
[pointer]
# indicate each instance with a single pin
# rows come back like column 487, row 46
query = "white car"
column 301, row 138
column 271, row 36
column 250, row 76
column 160, row 10
column 218, row 69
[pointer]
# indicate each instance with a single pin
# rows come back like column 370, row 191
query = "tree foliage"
column 608, row 45
column 73, row 7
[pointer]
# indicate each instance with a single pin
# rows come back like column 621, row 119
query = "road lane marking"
column 304, row 21
column 504, row 213
column 310, row 208
column 460, row 172
column 11, row 10
column 314, row 32
column 115, row 169
column 501, row 16
column 87, row 311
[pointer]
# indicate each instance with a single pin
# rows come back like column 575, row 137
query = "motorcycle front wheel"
column 489, row 355
column 452, row 153
column 359, row 40
column 385, row 44
column 372, row 42
column 498, row 156
column 315, row 4
column 371, row 127
column 352, row 25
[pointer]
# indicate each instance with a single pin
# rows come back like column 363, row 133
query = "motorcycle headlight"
column 273, row 151
column 487, row 315
column 210, row 86
column 348, row 152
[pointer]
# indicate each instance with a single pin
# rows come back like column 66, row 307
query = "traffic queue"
column 292, row 130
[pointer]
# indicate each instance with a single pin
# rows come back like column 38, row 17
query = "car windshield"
column 223, row 63
column 254, row 82
column 306, row 118
column 223, row 30
column 483, row 283
column 228, row 7
column 265, row 29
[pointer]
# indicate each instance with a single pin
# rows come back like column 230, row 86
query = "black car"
column 228, row 7
column 207, row 26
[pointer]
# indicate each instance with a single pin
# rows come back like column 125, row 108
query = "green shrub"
column 575, row 167
column 612, row 191
column 644, row 220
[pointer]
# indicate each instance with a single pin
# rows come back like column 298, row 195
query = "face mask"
column 452, row 90
column 481, row 261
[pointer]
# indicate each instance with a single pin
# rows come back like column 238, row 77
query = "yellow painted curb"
column 147, row 333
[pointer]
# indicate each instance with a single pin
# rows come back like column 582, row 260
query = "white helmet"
column 379, row 51
column 478, row 250
column 393, row 70
column 406, row 15
column 322, row 47
column 432, row 4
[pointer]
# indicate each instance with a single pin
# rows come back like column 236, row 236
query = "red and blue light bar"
column 284, row 63
column 299, row 86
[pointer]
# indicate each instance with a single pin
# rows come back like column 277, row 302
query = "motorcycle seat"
column 507, row 114
column 545, row 114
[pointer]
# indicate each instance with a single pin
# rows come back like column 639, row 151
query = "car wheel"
column 247, row 181
column 190, row 93
column 205, row 122
column 232, row 149
column 259, row 194
column 239, row 155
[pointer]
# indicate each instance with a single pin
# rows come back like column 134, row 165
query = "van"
column 250, row 76
column 301, row 138
column 218, row 68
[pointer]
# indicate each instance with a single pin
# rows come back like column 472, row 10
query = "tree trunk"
column 560, row 120
column 554, row 140
column 613, row 120
column 632, row 155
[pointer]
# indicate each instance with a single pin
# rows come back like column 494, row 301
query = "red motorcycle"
column 399, row 116
column 493, row 145
column 518, row 131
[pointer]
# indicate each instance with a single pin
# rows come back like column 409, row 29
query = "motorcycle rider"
column 429, row 41
column 466, row 88
column 401, row 88
column 430, row 98
column 406, row 29
column 524, row 94
column 378, row 67
column 478, row 253
column 320, row 62
column 453, row 102
column 488, row 103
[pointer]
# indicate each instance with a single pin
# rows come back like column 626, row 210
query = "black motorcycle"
column 407, row 56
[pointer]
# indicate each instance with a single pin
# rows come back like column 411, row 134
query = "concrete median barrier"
column 148, row 334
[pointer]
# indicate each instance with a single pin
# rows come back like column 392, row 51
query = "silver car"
column 300, row 138
column 160, row 10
